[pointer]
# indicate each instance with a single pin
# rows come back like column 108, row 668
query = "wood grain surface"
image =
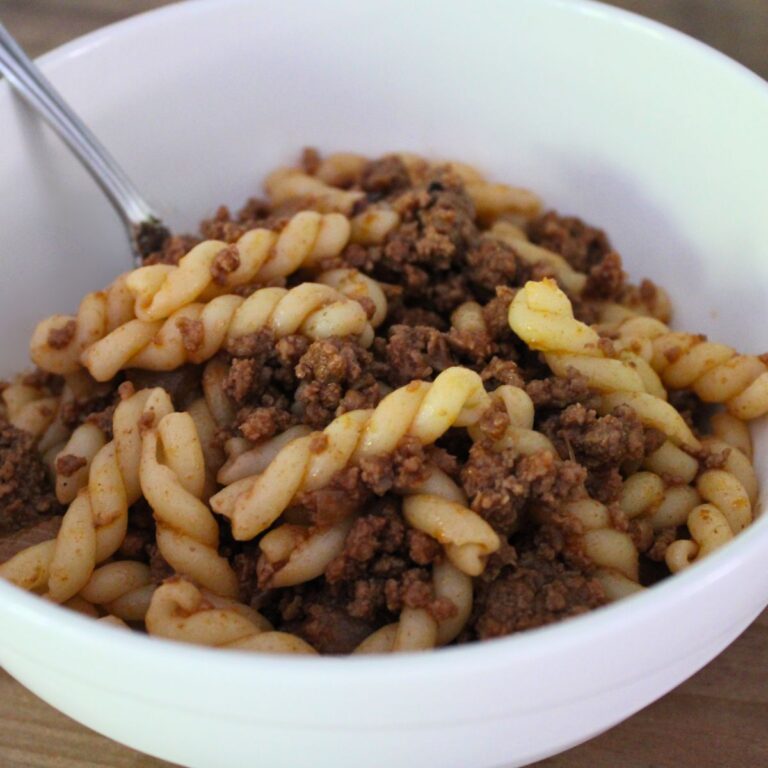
column 718, row 719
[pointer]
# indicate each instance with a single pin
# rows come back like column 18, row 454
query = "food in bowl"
column 391, row 407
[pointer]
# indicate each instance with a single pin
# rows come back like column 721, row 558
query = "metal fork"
column 145, row 230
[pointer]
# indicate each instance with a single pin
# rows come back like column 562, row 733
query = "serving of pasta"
column 389, row 407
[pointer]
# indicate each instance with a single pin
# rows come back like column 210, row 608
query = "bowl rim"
column 30, row 609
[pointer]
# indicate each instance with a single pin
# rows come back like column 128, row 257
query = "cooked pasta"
column 187, row 533
column 214, row 268
column 59, row 341
column 421, row 410
column 180, row 611
column 393, row 406
column 715, row 372
column 95, row 523
column 198, row 331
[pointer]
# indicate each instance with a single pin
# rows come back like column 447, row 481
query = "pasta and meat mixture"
column 388, row 407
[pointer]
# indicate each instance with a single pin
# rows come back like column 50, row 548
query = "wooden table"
column 718, row 719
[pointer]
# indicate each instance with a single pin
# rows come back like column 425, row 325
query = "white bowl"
column 628, row 124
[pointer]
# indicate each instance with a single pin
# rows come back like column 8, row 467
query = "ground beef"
column 222, row 226
column 491, row 264
column 345, row 495
column 315, row 615
column 417, row 352
column 26, row 493
column 13, row 543
column 192, row 333
column 605, row 281
column 438, row 225
column 500, row 372
column 538, row 588
column 558, row 392
column 472, row 349
column 503, row 486
column 385, row 176
column 262, row 381
column 261, row 422
column 496, row 315
column 382, row 566
column 172, row 250
column 413, row 316
column 159, row 568
column 227, row 260
column 581, row 245
column 401, row 471
column 68, row 464
column 244, row 376
column 426, row 255
column 95, row 407
column 601, row 444
column 662, row 538
column 336, row 375
column 59, row 338
column 181, row 384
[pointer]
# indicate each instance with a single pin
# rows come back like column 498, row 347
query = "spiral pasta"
column 299, row 553
column 84, row 443
column 196, row 332
column 611, row 550
column 59, row 341
column 94, row 525
column 187, row 533
column 542, row 316
column 258, row 256
column 355, row 285
column 29, row 407
column 508, row 233
column 420, row 409
column 180, row 611
column 122, row 588
column 290, row 183
column 416, row 629
column 715, row 372
column 467, row 538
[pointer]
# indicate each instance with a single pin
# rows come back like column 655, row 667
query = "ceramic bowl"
column 630, row 125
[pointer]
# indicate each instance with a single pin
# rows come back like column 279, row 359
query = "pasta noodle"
column 317, row 310
column 29, row 408
column 289, row 184
column 187, row 533
column 715, row 372
column 94, row 525
column 258, row 256
column 421, row 409
column 59, row 341
column 179, row 611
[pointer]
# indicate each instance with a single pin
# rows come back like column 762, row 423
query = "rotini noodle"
column 58, row 341
column 421, row 409
column 180, row 611
column 95, row 523
column 187, row 533
column 715, row 372
column 290, row 183
column 318, row 311
column 260, row 255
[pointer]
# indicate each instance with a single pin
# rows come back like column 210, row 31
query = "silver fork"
column 146, row 231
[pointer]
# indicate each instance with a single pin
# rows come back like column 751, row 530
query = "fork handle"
column 30, row 83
